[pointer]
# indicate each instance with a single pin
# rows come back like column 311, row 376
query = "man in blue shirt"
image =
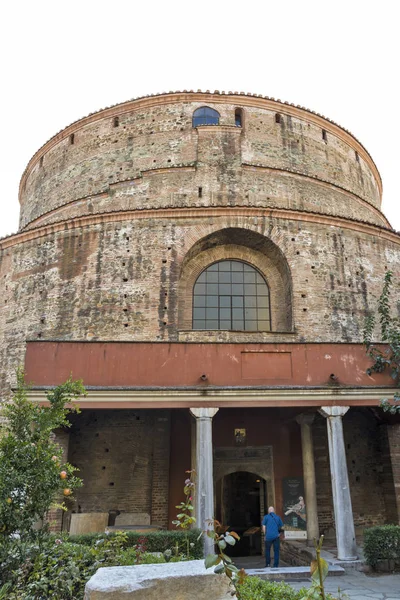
column 270, row 526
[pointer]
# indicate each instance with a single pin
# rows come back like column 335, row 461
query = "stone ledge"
column 185, row 580
column 288, row 573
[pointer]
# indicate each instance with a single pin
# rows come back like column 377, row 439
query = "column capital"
column 204, row 413
column 333, row 411
column 305, row 418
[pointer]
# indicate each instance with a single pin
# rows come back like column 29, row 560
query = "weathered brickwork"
column 120, row 456
column 120, row 213
column 154, row 158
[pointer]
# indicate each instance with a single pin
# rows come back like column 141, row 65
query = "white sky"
column 62, row 60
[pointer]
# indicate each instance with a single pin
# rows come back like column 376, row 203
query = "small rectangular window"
column 324, row 135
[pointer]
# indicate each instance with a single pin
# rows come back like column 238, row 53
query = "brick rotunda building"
column 205, row 262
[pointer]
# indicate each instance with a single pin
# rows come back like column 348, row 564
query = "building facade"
column 205, row 263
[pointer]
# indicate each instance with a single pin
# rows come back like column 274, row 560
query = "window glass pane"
column 225, row 265
column 250, row 289
column 250, row 326
column 199, row 324
column 213, row 267
column 237, row 313
column 237, row 288
column 225, row 325
column 250, row 313
column 212, row 288
column 200, row 288
column 199, row 301
column 237, row 301
column 237, row 277
column 264, row 326
column 259, row 278
column 225, row 277
column 248, row 267
column 250, row 277
column 237, row 324
column 225, row 288
column 212, row 324
column 211, row 300
column 262, row 301
column 205, row 116
column 237, row 266
column 224, row 301
column 201, row 278
column 199, row 313
column 212, row 313
column 262, row 289
column 212, row 277
column 263, row 313
column 250, row 301
column 224, row 313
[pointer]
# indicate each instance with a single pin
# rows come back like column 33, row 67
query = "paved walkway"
column 359, row 586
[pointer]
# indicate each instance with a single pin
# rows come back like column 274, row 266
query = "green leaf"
column 222, row 544
column 211, row 560
column 315, row 571
column 230, row 540
column 219, row 568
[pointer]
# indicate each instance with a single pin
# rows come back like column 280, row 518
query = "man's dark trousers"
column 268, row 544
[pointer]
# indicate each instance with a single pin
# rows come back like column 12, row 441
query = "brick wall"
column 123, row 457
column 393, row 432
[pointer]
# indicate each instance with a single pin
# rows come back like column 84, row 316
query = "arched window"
column 205, row 116
column 232, row 295
column 238, row 117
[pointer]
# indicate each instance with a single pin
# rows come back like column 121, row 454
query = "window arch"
column 231, row 295
column 205, row 116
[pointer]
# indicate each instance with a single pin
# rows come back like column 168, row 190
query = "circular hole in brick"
column 164, row 260
column 111, row 483
column 303, row 295
column 293, row 239
column 125, row 279
column 103, row 468
column 297, row 252
column 164, row 322
column 125, row 324
column 123, row 264
column 165, row 307
column 169, row 247
column 106, row 449
column 304, row 310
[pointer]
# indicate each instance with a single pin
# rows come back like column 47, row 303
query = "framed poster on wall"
column 294, row 508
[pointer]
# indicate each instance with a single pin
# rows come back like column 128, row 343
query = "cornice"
column 200, row 212
column 175, row 398
column 239, row 99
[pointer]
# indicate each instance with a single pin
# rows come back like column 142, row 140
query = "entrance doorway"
column 241, row 500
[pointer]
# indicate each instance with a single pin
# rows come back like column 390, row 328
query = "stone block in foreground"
column 169, row 581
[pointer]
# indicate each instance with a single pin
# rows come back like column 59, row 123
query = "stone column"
column 345, row 534
column 204, row 476
column 310, row 487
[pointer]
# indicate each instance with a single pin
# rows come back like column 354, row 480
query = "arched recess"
column 243, row 245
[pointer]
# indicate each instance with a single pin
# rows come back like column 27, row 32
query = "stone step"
column 291, row 573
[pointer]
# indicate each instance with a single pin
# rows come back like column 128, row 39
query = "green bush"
column 156, row 541
column 254, row 588
column 382, row 543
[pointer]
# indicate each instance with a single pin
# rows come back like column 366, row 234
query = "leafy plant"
column 32, row 472
column 185, row 519
column 319, row 572
column 382, row 543
column 388, row 357
column 221, row 561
